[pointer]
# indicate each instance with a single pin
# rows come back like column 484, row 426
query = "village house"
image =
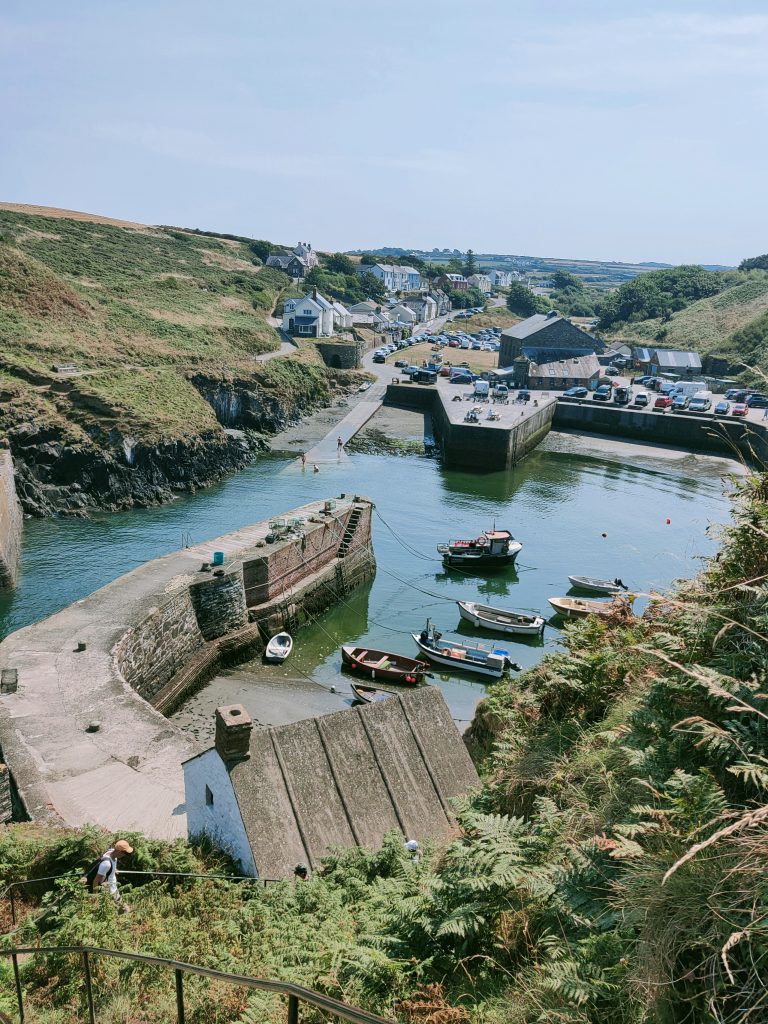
column 456, row 281
column 502, row 278
column 441, row 300
column 481, row 281
column 424, row 307
column 314, row 316
column 402, row 314
column 368, row 313
column 296, row 263
column 655, row 361
column 394, row 277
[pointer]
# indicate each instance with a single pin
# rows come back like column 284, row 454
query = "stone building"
column 276, row 797
column 296, row 263
column 548, row 351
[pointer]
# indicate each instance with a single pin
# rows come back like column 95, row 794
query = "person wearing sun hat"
column 106, row 873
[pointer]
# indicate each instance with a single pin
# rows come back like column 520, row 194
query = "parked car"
column 645, row 381
column 462, row 378
column 612, row 371
column 641, row 399
column 700, row 404
column 680, row 402
column 379, row 357
column 734, row 395
column 739, row 409
column 722, row 408
column 423, row 376
column 757, row 401
column 400, row 363
column 410, row 370
column 603, row 393
column 577, row 392
column 662, row 402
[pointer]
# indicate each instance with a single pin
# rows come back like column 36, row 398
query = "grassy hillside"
column 143, row 313
column 610, row 871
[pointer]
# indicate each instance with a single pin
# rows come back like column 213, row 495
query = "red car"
column 739, row 409
column 663, row 402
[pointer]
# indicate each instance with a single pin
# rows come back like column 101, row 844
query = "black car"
column 400, row 363
column 462, row 378
column 379, row 358
column 757, row 401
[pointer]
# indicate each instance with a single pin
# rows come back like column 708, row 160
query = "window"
column 304, row 329
column 307, row 312
column 208, row 797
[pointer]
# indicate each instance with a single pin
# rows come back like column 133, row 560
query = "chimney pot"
column 233, row 733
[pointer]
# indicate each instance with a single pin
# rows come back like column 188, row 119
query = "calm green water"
column 558, row 505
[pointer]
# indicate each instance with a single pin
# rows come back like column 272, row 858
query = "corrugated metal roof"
column 678, row 360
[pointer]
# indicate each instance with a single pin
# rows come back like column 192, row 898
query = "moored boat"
column 491, row 549
column 477, row 658
column 279, row 647
column 370, row 694
column 501, row 620
column 395, row 668
column 580, row 607
column 597, row 586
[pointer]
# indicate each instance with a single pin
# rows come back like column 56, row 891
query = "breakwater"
column 82, row 729
column 686, row 430
column 487, row 445
column 10, row 522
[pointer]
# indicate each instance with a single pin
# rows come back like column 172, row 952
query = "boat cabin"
column 493, row 542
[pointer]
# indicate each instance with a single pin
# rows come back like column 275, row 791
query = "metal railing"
column 9, row 892
column 296, row 994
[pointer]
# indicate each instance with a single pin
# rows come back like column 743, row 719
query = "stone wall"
column 219, row 604
column 149, row 653
column 342, row 355
column 468, row 446
column 10, row 522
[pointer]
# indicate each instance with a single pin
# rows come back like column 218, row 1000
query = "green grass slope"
column 610, row 871
column 144, row 313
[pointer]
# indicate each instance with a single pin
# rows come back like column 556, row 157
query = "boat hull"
column 572, row 608
column 591, row 586
column 454, row 559
column 441, row 657
column 276, row 652
column 471, row 613
column 392, row 668
column 370, row 694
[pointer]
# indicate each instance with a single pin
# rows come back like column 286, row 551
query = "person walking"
column 106, row 872
column 303, row 460
column 339, row 445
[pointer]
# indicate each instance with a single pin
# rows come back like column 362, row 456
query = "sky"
column 631, row 131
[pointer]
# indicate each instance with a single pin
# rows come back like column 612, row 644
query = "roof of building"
column 677, row 360
column 284, row 259
column 347, row 778
column 454, row 277
column 581, row 367
column 341, row 310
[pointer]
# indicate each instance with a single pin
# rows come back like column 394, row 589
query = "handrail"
column 295, row 993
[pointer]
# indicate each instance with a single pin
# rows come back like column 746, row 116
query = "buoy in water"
column 603, row 534
column 668, row 520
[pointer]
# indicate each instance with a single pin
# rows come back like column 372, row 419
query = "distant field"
column 54, row 212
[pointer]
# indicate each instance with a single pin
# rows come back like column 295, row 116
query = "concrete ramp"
column 346, row 779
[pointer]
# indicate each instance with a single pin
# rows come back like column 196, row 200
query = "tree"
column 755, row 263
column 522, row 301
column 338, row 263
column 368, row 259
column 261, row 248
column 372, row 287
column 470, row 264
column 454, row 266
column 564, row 281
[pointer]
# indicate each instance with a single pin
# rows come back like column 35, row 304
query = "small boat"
column 370, row 694
column 477, row 658
column 383, row 665
column 500, row 620
column 491, row 549
column 597, row 586
column 579, row 607
column 279, row 647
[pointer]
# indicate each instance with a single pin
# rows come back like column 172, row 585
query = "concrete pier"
column 10, row 522
column 489, row 444
column 82, row 732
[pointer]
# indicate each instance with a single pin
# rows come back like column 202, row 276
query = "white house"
column 502, row 278
column 481, row 281
column 314, row 317
column 394, row 277
column 425, row 307
column 403, row 314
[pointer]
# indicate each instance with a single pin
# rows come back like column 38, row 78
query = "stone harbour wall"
column 10, row 522
column 219, row 604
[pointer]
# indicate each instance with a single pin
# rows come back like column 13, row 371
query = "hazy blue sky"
column 632, row 131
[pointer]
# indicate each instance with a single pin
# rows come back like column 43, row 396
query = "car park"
column 577, row 392
column 739, row 409
column 662, row 402
column 680, row 402
column 641, row 399
column 722, row 408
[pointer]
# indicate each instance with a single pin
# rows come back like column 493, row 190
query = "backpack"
column 92, row 871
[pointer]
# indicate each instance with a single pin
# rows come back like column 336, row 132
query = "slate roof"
column 580, row 367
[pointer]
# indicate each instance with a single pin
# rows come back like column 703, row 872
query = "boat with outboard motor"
column 597, row 586
column 477, row 658
column 396, row 668
column 491, row 549
column 501, row 620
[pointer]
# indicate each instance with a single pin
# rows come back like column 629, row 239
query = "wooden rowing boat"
column 580, row 607
column 501, row 620
column 370, row 694
column 395, row 668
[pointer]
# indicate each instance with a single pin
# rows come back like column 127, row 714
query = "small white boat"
column 279, row 647
column 501, row 620
column 596, row 586
column 579, row 607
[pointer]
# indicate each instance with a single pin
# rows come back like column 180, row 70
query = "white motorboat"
column 597, row 586
column 477, row 658
column 501, row 620
column 279, row 647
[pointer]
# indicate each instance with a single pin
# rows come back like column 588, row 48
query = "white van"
column 701, row 401
column 482, row 388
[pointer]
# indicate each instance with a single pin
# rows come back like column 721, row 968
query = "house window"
column 565, row 382
column 208, row 797
column 307, row 312
column 541, row 382
column 303, row 329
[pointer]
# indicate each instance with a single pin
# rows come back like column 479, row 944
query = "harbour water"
column 573, row 514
